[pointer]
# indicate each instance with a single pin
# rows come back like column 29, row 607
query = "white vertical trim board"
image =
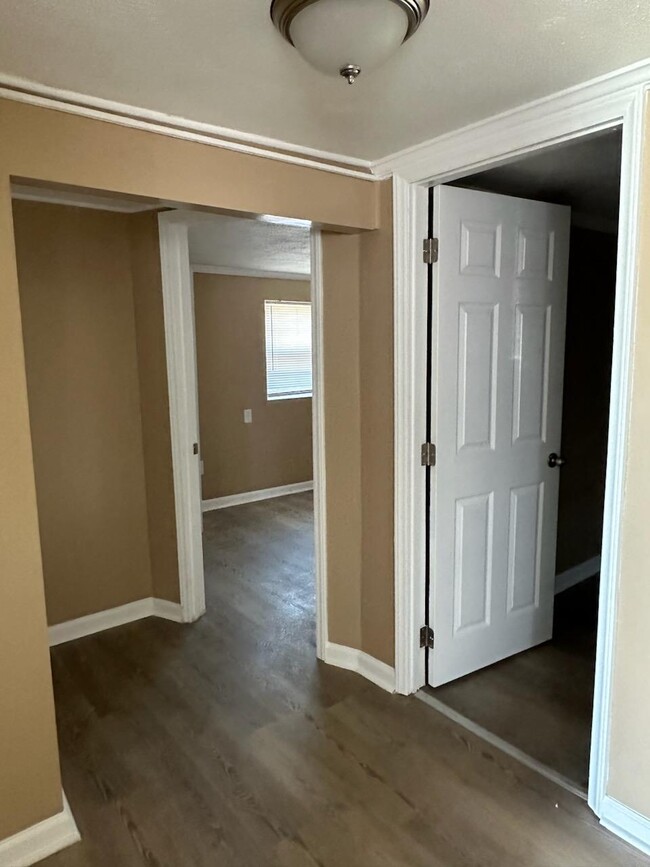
column 70, row 630
column 255, row 496
column 626, row 823
column 614, row 100
column 318, row 442
column 180, row 342
column 410, row 346
column 40, row 840
column 570, row 577
column 631, row 111
column 362, row 663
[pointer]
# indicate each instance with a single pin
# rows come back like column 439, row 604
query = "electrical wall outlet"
column 248, row 416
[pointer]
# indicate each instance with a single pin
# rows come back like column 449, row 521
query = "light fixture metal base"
column 350, row 72
column 284, row 11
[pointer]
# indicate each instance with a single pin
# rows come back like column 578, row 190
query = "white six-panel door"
column 499, row 310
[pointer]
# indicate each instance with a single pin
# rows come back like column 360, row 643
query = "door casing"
column 614, row 100
column 180, row 343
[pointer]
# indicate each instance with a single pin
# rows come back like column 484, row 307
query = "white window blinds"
column 288, row 349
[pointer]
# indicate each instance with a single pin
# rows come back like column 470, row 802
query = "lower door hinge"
column 430, row 251
column 426, row 637
column 428, row 454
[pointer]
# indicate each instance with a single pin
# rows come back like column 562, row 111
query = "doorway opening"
column 518, row 493
column 243, row 320
column 254, row 376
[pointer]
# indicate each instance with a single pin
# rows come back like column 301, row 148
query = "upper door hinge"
column 428, row 455
column 430, row 251
column 426, row 637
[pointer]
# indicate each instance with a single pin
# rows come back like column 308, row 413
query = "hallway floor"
column 540, row 701
column 226, row 744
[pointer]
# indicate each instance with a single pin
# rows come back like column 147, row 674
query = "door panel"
column 498, row 342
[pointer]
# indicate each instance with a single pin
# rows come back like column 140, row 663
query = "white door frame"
column 615, row 99
column 180, row 343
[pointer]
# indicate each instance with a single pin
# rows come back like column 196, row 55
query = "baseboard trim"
column 168, row 610
column 255, row 496
column 40, row 840
column 576, row 574
column 356, row 660
column 119, row 616
column 626, row 823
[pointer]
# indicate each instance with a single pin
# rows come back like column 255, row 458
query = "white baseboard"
column 41, row 840
column 255, row 496
column 356, row 660
column 576, row 574
column 626, row 823
column 168, row 610
column 91, row 623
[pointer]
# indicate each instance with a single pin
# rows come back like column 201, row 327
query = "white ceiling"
column 250, row 245
column 584, row 174
column 222, row 62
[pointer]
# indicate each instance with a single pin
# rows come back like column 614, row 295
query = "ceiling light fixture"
column 346, row 37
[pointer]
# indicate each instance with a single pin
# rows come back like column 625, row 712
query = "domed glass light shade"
column 347, row 37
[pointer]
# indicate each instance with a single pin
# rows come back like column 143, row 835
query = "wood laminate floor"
column 226, row 744
column 541, row 701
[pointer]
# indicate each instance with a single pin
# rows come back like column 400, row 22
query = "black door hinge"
column 430, row 251
column 426, row 637
column 428, row 454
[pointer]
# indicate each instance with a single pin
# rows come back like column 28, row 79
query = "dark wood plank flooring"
column 226, row 744
column 541, row 701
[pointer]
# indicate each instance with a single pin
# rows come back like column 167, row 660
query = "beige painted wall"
column 377, row 421
column 342, row 397
column 154, row 403
column 629, row 779
column 358, row 373
column 84, row 403
column 276, row 449
column 51, row 146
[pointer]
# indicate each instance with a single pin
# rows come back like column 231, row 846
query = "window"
column 288, row 349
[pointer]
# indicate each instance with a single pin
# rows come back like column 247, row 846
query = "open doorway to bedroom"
column 253, row 323
column 517, row 494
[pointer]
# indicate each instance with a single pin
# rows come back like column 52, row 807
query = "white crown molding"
column 476, row 145
column 255, row 496
column 111, row 617
column 41, row 840
column 362, row 663
column 250, row 272
column 42, row 95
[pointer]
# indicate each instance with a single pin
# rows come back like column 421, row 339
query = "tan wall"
column 377, row 420
column 51, row 146
column 154, row 401
column 358, row 361
column 84, row 403
column 276, row 449
column 629, row 779
column 342, row 396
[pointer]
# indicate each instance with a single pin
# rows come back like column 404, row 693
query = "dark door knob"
column 555, row 460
